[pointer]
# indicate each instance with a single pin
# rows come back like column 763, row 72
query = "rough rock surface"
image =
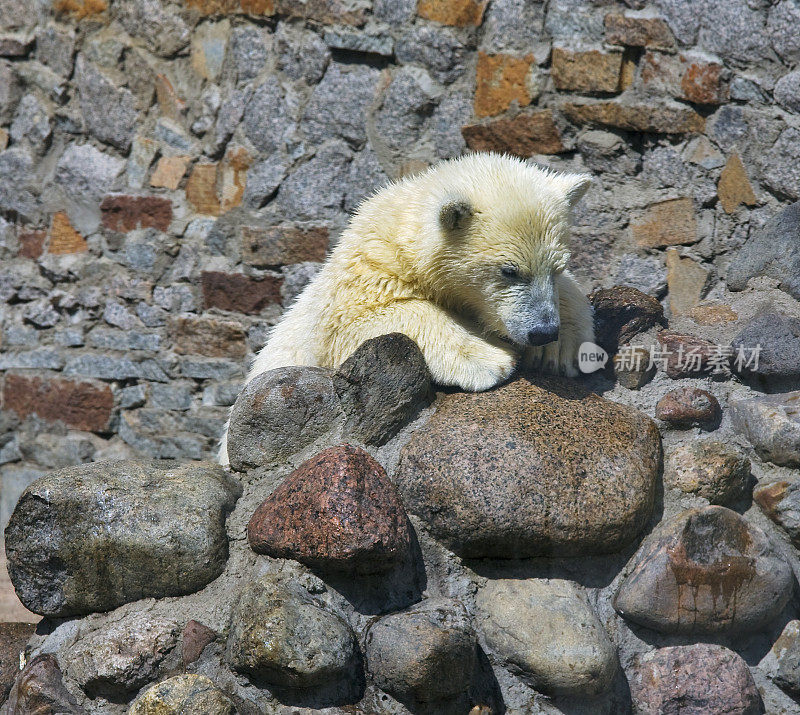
column 13, row 637
column 695, row 680
column 546, row 630
column 689, row 407
column 713, row 469
column 39, row 688
column 771, row 251
column 777, row 337
column 424, row 654
column 621, row 313
column 705, row 571
column 782, row 663
column 93, row 537
column 381, row 387
column 771, row 423
column 284, row 639
column 278, row 413
column 531, row 469
column 353, row 517
column 122, row 658
column 188, row 693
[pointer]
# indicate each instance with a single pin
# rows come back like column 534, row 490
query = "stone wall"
column 172, row 173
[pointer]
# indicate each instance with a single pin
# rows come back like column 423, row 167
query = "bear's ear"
column 455, row 214
column 576, row 185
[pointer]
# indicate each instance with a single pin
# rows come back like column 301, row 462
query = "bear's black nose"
column 544, row 335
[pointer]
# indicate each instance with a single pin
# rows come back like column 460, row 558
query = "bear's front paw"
column 484, row 368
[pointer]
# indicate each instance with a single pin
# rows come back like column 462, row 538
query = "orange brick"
column 231, row 178
column 501, row 80
column 169, row 172
column 80, row 9
column 201, row 190
column 524, row 135
column 589, row 71
column 233, row 7
column 64, row 238
column 460, row 13
column 659, row 119
column 666, row 223
column 702, row 83
column 734, row 187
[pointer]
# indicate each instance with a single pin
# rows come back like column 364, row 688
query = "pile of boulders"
column 379, row 547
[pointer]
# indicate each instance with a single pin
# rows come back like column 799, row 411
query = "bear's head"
column 501, row 242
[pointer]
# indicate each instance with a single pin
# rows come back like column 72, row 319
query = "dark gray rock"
column 772, row 251
column 373, row 42
column 301, row 54
column 782, row 663
column 283, row 638
column 512, row 26
column 787, row 92
column 340, row 103
column 55, row 47
column 547, row 632
column 162, row 30
column 93, row 537
column 315, row 190
column 783, row 17
column 647, row 274
column 407, row 103
column 437, row 49
column 705, row 571
column 248, row 51
column 17, row 174
column 280, row 412
column 424, row 654
column 110, row 113
column 382, row 386
column 263, row 179
column 531, row 469
column 266, row 117
column 31, row 123
column 778, row 337
column 781, row 165
column 86, row 173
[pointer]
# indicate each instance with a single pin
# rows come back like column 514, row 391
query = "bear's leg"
column 455, row 355
column 577, row 326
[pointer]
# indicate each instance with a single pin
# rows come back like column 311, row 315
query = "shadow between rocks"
column 374, row 594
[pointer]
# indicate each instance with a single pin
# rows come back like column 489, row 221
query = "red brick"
column 702, row 84
column 500, row 81
column 208, row 336
column 125, row 213
column 283, row 245
column 240, row 293
column 82, row 404
column 459, row 13
column 31, row 244
column 524, row 135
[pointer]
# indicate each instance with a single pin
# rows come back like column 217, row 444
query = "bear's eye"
column 509, row 270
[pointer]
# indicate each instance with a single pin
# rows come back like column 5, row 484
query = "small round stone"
column 687, row 407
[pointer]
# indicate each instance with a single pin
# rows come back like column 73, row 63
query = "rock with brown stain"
column 338, row 511
column 693, row 680
column 621, row 313
column 39, row 690
column 689, row 407
column 713, row 469
column 780, row 501
column 705, row 571
column 531, row 469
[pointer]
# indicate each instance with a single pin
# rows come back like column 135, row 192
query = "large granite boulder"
column 532, row 469
column 92, row 537
column 705, row 571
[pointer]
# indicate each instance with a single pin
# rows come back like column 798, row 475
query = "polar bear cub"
column 468, row 259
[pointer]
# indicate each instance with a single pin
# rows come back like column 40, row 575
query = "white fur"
column 397, row 269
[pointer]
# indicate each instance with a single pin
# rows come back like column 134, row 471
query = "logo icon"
column 591, row 358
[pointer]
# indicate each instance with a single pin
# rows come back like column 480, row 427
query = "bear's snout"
column 543, row 334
